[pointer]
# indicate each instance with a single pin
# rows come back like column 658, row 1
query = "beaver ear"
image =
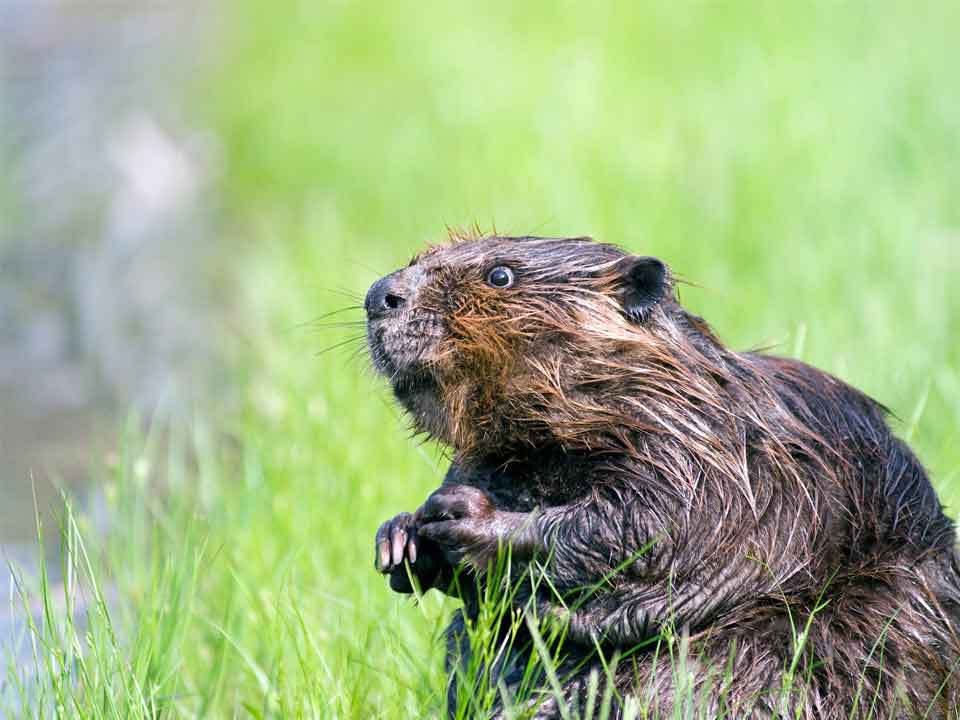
column 646, row 282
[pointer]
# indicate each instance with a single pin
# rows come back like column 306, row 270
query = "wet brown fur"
column 771, row 491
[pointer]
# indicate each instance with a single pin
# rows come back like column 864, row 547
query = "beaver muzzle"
column 400, row 333
column 385, row 297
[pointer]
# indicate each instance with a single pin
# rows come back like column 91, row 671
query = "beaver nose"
column 383, row 297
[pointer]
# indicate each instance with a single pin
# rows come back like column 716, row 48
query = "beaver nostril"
column 392, row 302
column 383, row 297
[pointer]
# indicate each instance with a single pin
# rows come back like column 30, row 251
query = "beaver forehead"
column 556, row 257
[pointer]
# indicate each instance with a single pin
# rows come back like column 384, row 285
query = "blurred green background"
column 797, row 163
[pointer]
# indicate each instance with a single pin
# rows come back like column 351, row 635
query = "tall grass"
column 794, row 161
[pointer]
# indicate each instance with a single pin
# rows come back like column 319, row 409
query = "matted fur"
column 765, row 488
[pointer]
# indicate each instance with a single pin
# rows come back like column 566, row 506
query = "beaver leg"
column 463, row 521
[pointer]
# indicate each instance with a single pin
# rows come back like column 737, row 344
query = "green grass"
column 797, row 162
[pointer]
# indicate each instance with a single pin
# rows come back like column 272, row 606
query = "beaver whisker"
column 342, row 343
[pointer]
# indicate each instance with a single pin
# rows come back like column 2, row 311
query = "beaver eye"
column 500, row 277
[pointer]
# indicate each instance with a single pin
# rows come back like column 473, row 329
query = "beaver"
column 605, row 436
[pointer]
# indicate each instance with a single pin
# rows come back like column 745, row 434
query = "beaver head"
column 495, row 342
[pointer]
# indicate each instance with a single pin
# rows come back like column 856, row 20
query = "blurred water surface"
column 111, row 298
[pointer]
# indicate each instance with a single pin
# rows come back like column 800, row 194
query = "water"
column 110, row 300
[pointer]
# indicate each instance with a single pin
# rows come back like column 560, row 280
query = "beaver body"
column 758, row 507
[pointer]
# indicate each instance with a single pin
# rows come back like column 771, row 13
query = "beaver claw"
column 402, row 552
column 395, row 541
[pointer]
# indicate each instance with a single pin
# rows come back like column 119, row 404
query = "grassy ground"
column 796, row 161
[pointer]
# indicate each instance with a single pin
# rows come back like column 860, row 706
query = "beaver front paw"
column 461, row 519
column 397, row 541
